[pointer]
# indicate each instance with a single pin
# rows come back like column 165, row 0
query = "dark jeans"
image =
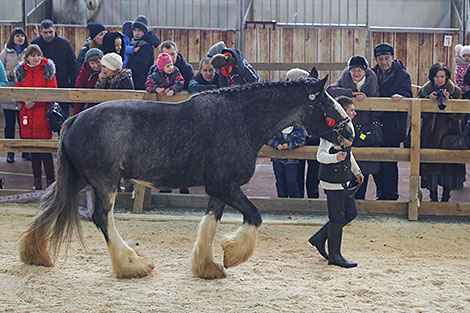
column 286, row 180
column 341, row 208
column 11, row 117
column 386, row 181
column 312, row 178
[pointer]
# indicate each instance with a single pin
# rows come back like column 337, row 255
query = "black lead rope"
column 350, row 191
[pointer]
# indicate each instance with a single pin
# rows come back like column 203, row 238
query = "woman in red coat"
column 36, row 71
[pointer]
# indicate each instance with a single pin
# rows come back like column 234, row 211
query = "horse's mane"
column 256, row 85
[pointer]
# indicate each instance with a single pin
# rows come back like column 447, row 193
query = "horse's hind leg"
column 202, row 262
column 239, row 246
column 126, row 261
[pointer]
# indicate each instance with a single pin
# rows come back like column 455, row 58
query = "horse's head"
column 91, row 4
column 325, row 117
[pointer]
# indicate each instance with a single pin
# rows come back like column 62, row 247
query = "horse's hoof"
column 209, row 270
column 239, row 247
column 134, row 266
column 39, row 260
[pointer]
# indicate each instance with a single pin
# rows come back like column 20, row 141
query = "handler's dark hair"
column 11, row 42
column 223, row 60
column 436, row 67
column 344, row 101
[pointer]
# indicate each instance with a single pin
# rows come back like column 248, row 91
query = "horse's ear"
column 322, row 82
column 313, row 73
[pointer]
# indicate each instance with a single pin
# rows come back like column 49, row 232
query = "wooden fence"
column 414, row 155
column 418, row 51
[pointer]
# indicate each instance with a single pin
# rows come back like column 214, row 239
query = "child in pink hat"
column 164, row 78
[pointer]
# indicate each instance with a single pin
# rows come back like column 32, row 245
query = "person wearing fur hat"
column 112, row 75
column 164, row 78
column 462, row 61
column 359, row 81
column 143, row 42
column 233, row 68
column 36, row 71
column 95, row 40
column 10, row 57
column 184, row 67
column 88, row 76
column 395, row 83
column 434, row 127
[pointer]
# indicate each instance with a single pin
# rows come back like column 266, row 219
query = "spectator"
column 206, row 79
column 233, row 68
column 10, row 57
column 394, row 82
column 36, row 71
column 97, row 32
column 128, row 48
column 113, row 42
column 88, row 75
column 434, row 127
column 59, row 50
column 286, row 170
column 184, row 67
column 164, row 78
column 337, row 167
column 112, row 75
column 462, row 60
column 311, row 183
column 359, row 81
column 143, row 57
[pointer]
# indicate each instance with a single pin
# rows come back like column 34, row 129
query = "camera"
column 441, row 99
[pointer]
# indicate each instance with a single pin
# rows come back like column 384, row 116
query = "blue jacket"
column 295, row 139
column 395, row 81
column 3, row 76
column 128, row 49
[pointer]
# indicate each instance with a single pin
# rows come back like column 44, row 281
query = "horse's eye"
column 330, row 122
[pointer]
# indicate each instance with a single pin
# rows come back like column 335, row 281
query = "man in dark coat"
column 61, row 52
column 206, row 79
column 185, row 68
column 395, row 82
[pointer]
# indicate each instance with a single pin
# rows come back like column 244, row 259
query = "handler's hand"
column 396, row 97
column 360, row 178
column 341, row 156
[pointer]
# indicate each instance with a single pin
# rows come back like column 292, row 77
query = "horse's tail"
column 58, row 219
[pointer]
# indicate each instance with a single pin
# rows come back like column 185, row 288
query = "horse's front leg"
column 126, row 262
column 239, row 246
column 202, row 262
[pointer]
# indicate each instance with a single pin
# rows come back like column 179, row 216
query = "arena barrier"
column 414, row 155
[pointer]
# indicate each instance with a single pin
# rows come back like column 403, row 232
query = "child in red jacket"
column 36, row 71
column 88, row 76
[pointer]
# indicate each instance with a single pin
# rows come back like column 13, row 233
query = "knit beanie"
column 215, row 49
column 93, row 53
column 383, row 48
column 95, row 29
column 112, row 60
column 163, row 59
column 358, row 61
column 142, row 23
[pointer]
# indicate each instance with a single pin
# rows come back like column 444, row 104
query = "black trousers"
column 386, row 181
column 11, row 117
column 341, row 208
column 312, row 178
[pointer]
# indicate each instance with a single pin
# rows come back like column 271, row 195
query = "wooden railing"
column 414, row 155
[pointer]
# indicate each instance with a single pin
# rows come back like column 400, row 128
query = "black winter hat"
column 383, row 48
column 95, row 29
column 141, row 22
column 358, row 61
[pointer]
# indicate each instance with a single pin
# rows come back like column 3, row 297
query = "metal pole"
column 368, row 41
column 240, row 34
column 464, row 21
column 23, row 14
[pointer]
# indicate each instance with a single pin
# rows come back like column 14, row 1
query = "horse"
column 212, row 140
column 76, row 11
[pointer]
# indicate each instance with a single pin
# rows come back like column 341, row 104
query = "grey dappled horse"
column 212, row 139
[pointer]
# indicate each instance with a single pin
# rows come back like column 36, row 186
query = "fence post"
column 414, row 202
column 142, row 198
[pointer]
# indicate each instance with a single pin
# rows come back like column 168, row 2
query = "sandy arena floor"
column 403, row 267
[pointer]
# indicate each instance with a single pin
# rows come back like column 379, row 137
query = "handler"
column 337, row 166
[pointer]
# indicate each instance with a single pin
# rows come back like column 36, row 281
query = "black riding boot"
column 445, row 195
column 433, row 195
column 335, row 234
column 319, row 238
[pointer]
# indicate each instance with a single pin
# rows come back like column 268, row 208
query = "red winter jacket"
column 33, row 122
column 86, row 79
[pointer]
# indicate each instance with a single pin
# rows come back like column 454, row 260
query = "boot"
column 11, row 157
column 319, row 238
column 37, row 183
column 37, row 171
column 335, row 234
column 433, row 195
column 48, row 168
column 445, row 195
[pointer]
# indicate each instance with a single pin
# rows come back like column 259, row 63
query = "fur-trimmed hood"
column 49, row 69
